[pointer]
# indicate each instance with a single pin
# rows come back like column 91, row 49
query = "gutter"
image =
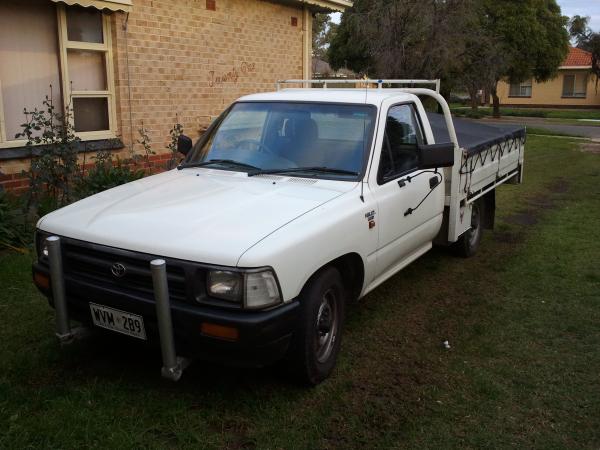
column 321, row 5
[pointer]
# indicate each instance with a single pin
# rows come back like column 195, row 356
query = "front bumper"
column 263, row 336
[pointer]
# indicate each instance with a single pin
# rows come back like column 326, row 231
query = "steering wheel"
column 259, row 146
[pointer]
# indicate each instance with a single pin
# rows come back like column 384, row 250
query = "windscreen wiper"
column 304, row 169
column 218, row 161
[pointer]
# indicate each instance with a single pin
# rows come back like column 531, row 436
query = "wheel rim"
column 326, row 325
column 475, row 226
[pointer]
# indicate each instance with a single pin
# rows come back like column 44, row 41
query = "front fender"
column 310, row 242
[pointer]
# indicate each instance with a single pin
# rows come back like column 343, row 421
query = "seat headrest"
column 301, row 128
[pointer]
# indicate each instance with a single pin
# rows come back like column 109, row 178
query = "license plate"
column 119, row 321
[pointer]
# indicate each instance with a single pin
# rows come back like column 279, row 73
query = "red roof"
column 578, row 57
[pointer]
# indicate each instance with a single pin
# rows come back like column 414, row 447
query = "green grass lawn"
column 540, row 131
column 568, row 114
column 522, row 318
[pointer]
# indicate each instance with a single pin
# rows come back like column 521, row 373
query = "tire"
column 317, row 339
column 468, row 243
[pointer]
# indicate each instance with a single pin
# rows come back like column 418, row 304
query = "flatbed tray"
column 473, row 136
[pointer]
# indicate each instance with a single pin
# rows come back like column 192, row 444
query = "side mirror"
column 436, row 155
column 184, row 144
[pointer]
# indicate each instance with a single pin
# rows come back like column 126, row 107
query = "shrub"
column 474, row 114
column 105, row 174
column 175, row 132
column 16, row 232
column 53, row 170
column 523, row 112
column 56, row 178
column 146, row 143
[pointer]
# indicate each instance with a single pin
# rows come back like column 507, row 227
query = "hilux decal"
column 370, row 216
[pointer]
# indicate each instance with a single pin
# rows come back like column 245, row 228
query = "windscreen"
column 278, row 135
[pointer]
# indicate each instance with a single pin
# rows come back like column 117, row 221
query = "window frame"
column 367, row 149
column 521, row 86
column 575, row 77
column 3, row 140
column 413, row 106
column 67, row 94
column 106, row 47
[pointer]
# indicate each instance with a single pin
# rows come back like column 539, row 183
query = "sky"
column 569, row 8
column 589, row 8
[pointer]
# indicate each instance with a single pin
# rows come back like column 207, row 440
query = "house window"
column 84, row 34
column 66, row 47
column 29, row 61
column 523, row 89
column 575, row 85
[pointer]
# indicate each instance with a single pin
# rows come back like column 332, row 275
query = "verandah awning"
column 127, row 5
column 330, row 5
column 112, row 5
column 320, row 5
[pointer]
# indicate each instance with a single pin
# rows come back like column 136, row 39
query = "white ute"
column 290, row 205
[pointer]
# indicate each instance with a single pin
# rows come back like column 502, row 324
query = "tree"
column 323, row 30
column 474, row 42
column 580, row 31
column 533, row 37
column 481, row 60
column 348, row 47
column 586, row 40
column 400, row 38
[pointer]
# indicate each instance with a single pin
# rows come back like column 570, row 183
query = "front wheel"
column 468, row 243
column 317, row 339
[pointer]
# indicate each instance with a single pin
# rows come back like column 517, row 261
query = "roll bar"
column 380, row 83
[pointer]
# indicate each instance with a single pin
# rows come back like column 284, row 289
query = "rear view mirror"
column 436, row 155
column 184, row 144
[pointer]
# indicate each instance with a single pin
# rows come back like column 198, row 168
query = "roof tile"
column 578, row 57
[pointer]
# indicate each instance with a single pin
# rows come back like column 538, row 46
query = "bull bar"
column 173, row 365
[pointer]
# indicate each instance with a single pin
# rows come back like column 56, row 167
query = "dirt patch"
column 235, row 432
column 506, row 237
column 523, row 218
column 559, row 186
column 590, row 148
column 536, row 206
column 540, row 201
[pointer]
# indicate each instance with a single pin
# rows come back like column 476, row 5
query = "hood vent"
column 269, row 177
column 302, row 180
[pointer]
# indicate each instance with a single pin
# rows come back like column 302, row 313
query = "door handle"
column 433, row 182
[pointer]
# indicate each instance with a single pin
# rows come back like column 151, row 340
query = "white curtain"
column 29, row 61
column 87, row 71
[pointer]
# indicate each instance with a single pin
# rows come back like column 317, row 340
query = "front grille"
column 92, row 264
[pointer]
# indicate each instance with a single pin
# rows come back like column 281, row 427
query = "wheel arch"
column 352, row 270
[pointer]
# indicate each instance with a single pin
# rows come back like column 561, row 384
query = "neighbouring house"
column 573, row 87
column 322, row 70
column 119, row 63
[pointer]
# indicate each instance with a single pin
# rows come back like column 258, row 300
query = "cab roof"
column 356, row 96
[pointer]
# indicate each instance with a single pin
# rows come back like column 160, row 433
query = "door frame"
column 386, row 105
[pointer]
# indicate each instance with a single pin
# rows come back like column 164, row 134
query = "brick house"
column 573, row 87
column 119, row 63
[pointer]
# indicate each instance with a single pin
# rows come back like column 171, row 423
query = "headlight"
column 252, row 290
column 41, row 246
column 225, row 285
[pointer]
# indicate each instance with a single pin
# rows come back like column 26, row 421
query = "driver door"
column 404, row 235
